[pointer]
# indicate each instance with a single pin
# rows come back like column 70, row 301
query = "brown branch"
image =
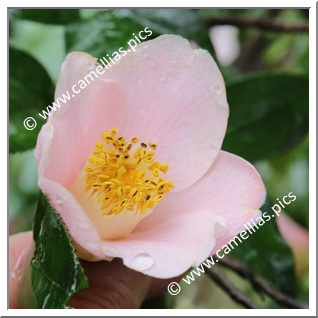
column 222, row 281
column 261, row 284
column 263, row 24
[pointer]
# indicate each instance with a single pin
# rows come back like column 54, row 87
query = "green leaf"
column 56, row 273
column 229, row 13
column 290, row 172
column 269, row 114
column 161, row 301
column 183, row 22
column 103, row 33
column 107, row 31
column 30, row 91
column 267, row 254
column 51, row 16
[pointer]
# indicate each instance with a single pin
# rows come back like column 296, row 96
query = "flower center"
column 124, row 176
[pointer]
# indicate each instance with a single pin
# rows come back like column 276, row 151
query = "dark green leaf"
column 51, row 16
column 161, row 301
column 183, row 22
column 267, row 254
column 56, row 273
column 102, row 34
column 290, row 172
column 107, row 31
column 269, row 114
column 229, row 13
column 30, row 91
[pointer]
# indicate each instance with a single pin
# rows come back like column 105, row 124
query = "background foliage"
column 267, row 89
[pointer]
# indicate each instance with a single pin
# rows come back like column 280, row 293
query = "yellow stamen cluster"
column 123, row 179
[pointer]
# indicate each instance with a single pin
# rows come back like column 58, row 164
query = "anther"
column 134, row 139
column 153, row 146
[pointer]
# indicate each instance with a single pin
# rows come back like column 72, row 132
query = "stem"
column 222, row 281
column 261, row 284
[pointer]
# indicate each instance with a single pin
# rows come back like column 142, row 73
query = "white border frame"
column 312, row 161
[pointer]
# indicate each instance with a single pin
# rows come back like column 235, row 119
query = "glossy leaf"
column 30, row 91
column 107, row 31
column 268, row 254
column 183, row 22
column 269, row 114
column 100, row 35
column 290, row 172
column 50, row 16
column 56, row 273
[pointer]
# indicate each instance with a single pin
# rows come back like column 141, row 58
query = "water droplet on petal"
column 162, row 79
column 92, row 244
column 59, row 200
column 217, row 88
column 17, row 271
column 175, row 66
column 84, row 223
column 142, row 262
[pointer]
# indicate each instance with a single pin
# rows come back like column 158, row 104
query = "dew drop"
column 142, row 262
column 162, row 79
column 92, row 244
column 59, row 200
column 217, row 88
column 175, row 66
column 84, row 224
column 16, row 272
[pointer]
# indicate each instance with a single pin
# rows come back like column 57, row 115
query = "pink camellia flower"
column 133, row 165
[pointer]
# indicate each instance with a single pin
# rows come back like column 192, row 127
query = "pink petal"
column 176, row 98
column 298, row 239
column 171, row 247
column 232, row 189
column 79, row 226
column 68, row 138
column 294, row 234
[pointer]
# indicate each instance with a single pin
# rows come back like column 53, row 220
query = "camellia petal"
column 232, row 188
column 169, row 248
column 176, row 99
column 67, row 139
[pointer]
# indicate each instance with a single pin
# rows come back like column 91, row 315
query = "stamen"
column 153, row 146
column 134, row 139
column 124, row 176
